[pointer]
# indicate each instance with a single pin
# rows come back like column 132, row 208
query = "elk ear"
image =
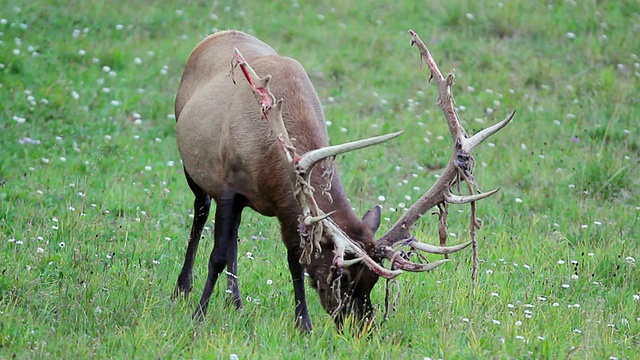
column 372, row 218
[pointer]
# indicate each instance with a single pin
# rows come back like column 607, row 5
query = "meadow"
column 95, row 211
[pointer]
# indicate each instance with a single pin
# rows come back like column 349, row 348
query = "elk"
column 253, row 140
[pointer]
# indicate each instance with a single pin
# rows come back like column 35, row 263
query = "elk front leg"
column 292, row 240
column 201, row 206
column 229, row 207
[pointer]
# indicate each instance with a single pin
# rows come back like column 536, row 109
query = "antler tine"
column 260, row 85
column 458, row 199
column 306, row 161
column 433, row 249
column 343, row 244
column 444, row 87
column 469, row 144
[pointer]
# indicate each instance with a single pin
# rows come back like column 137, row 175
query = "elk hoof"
column 303, row 323
column 182, row 290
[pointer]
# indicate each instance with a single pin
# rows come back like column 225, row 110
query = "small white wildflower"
column 464, row 319
column 233, row 357
column 636, row 297
column 519, row 201
column 518, row 323
column 497, row 322
column 560, row 262
column 571, row 35
column 577, row 331
column 565, row 286
column 148, row 168
column 61, row 244
column 269, row 281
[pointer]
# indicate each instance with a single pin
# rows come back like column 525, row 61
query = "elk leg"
column 201, row 206
column 228, row 212
column 232, row 259
column 303, row 321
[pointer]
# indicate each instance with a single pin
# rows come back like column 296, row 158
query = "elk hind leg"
column 232, row 260
column 201, row 206
column 229, row 207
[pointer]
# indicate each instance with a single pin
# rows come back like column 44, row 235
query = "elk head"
column 345, row 267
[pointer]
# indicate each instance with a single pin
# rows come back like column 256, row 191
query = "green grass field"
column 95, row 211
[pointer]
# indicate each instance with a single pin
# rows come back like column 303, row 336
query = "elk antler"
column 313, row 222
column 457, row 171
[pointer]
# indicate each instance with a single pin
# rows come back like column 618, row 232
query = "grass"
column 95, row 212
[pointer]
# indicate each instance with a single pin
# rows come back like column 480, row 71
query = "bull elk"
column 252, row 141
